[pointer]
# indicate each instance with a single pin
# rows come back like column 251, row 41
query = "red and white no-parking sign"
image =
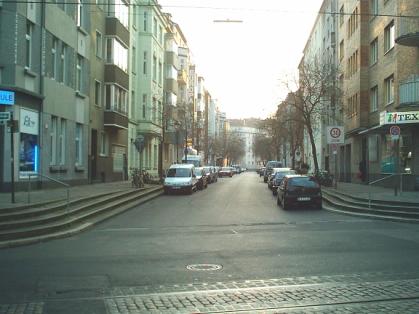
column 335, row 135
column 395, row 132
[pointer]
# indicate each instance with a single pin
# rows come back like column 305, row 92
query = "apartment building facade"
column 379, row 61
column 44, row 64
column 109, row 90
column 321, row 49
column 147, row 85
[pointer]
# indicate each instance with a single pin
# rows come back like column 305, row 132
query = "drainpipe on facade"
column 41, row 85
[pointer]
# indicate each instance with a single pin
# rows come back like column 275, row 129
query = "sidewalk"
column 377, row 192
column 38, row 196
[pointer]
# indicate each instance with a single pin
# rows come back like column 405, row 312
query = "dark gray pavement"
column 268, row 259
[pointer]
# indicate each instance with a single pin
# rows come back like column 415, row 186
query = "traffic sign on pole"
column 335, row 135
column 395, row 132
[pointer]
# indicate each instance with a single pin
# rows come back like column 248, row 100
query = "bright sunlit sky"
column 243, row 64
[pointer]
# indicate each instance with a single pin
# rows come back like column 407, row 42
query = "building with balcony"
column 109, row 90
column 44, row 64
column 378, row 58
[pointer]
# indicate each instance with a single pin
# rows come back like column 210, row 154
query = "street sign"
column 335, row 135
column 395, row 132
column 399, row 117
column 4, row 116
column 7, row 98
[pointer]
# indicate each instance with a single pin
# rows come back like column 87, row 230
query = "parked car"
column 180, row 178
column 226, row 172
column 202, row 178
column 296, row 190
column 210, row 173
column 262, row 171
column 269, row 166
column 279, row 176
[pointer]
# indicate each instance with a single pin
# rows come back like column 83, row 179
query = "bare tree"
column 317, row 89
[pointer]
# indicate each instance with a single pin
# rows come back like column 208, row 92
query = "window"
column 374, row 8
column 342, row 15
column 28, row 38
column 79, row 73
column 119, row 9
column 154, row 109
column 116, row 53
column 116, row 98
column 53, row 141
column 389, row 37
column 99, row 45
column 134, row 60
column 374, row 99
column 155, row 157
column 132, row 104
column 144, row 105
column 160, row 74
column 374, row 52
column 103, row 144
column 80, row 16
column 61, row 147
column 389, row 90
column 341, row 50
column 79, row 144
column 145, row 63
column 98, row 93
column 54, row 58
column 154, row 68
column 155, row 27
column 353, row 22
column 145, row 21
column 63, row 67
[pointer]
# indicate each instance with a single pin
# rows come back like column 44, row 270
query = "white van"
column 180, row 177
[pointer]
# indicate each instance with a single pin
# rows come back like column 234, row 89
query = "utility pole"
column 12, row 156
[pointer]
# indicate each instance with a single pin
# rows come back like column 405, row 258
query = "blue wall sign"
column 7, row 98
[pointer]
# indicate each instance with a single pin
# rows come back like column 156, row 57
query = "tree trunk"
column 313, row 149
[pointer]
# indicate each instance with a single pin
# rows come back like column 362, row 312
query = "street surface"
column 227, row 248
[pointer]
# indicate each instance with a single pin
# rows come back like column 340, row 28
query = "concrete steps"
column 43, row 222
column 351, row 204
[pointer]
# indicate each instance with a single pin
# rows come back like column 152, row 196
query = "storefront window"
column 28, row 144
column 388, row 160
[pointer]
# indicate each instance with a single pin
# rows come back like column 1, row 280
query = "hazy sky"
column 243, row 64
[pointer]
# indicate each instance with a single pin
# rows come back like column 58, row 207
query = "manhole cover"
column 204, row 267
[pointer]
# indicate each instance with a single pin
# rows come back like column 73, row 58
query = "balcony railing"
column 408, row 34
column 409, row 92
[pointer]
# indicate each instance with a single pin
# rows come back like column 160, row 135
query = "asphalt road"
column 234, row 223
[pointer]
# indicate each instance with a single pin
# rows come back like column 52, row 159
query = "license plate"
column 303, row 199
column 176, row 187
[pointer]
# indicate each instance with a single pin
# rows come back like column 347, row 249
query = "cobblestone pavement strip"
column 22, row 308
column 308, row 298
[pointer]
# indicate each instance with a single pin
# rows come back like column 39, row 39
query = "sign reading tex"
column 399, row 117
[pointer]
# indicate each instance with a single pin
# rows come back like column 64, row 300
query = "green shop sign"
column 399, row 117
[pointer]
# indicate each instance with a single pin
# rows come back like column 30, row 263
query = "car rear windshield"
column 178, row 173
column 281, row 174
column 303, row 182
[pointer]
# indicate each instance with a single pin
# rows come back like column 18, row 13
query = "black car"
column 296, row 190
column 277, row 179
